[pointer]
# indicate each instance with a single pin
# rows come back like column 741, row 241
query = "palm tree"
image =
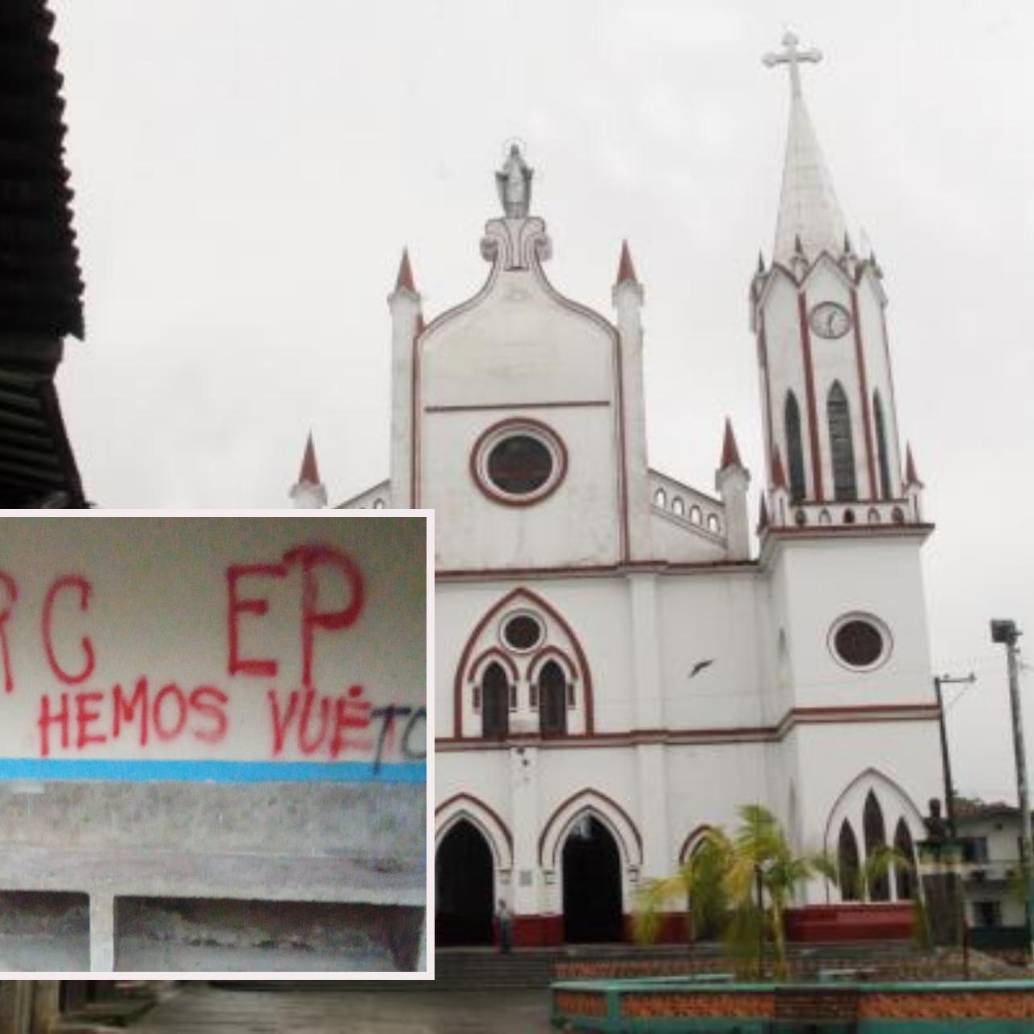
column 698, row 883
column 743, row 884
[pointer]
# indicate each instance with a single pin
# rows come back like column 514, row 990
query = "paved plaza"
column 200, row 1009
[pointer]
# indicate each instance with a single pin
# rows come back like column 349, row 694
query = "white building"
column 616, row 670
column 992, row 854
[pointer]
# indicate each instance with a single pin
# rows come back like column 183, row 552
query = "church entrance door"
column 592, row 885
column 464, row 885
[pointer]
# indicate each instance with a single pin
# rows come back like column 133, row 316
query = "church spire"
column 808, row 208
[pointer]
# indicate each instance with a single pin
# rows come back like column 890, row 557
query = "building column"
column 102, row 933
column 527, row 890
column 649, row 714
column 16, row 1006
column 46, row 1005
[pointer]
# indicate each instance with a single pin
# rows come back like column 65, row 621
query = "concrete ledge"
column 158, row 873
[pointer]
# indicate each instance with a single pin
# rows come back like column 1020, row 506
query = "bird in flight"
column 699, row 667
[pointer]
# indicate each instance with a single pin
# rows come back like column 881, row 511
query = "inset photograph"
column 213, row 743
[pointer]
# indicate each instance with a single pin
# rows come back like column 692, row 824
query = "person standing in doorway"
column 505, row 920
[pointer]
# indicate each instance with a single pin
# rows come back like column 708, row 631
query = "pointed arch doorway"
column 591, row 884
column 464, row 888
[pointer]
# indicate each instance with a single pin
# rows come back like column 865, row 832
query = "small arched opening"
column 875, row 842
column 905, row 870
column 495, row 702
column 848, row 867
column 552, row 693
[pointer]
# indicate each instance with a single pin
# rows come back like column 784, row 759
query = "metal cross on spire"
column 793, row 57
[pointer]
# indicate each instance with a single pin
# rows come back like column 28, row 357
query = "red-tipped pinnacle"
column 778, row 473
column 310, row 473
column 405, row 275
column 626, row 271
column 730, row 453
column 911, row 477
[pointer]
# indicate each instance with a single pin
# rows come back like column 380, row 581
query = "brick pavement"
column 200, row 1009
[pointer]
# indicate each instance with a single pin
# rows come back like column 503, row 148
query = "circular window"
column 518, row 462
column 522, row 632
column 860, row 642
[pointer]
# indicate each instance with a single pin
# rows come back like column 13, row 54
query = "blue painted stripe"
column 127, row 770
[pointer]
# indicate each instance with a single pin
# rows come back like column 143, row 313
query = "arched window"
column 678, row 507
column 838, row 414
column 847, row 863
column 794, row 447
column 881, row 445
column 552, row 700
column 495, row 703
column 906, row 875
column 695, row 516
column 660, row 498
column 875, row 840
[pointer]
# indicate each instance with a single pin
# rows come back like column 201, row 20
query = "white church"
column 617, row 670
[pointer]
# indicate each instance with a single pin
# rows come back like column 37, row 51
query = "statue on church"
column 514, row 184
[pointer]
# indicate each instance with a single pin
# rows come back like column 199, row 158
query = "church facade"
column 618, row 666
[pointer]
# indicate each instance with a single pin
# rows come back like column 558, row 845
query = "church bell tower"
column 841, row 527
column 818, row 314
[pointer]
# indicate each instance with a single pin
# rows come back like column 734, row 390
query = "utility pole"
column 949, row 786
column 1005, row 631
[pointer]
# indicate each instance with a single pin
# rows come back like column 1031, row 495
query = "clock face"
column 828, row 319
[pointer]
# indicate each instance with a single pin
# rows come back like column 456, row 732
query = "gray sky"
column 248, row 171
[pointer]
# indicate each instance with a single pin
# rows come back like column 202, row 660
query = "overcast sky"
column 248, row 171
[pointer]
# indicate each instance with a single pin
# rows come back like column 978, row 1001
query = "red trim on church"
column 588, row 791
column 809, row 389
column 494, row 651
column 870, row 464
column 547, row 931
column 919, row 712
column 851, row 921
column 517, row 423
column 480, row 804
column 763, row 356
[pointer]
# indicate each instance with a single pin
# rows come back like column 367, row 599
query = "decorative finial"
column 513, row 181
column 793, row 57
